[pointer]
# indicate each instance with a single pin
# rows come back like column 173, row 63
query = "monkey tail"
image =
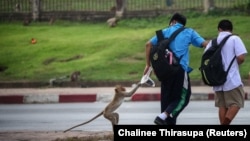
column 101, row 113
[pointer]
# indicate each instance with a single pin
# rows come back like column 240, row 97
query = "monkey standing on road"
column 108, row 112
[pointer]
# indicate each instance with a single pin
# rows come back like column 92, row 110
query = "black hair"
column 179, row 18
column 225, row 25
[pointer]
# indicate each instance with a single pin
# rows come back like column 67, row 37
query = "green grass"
column 94, row 49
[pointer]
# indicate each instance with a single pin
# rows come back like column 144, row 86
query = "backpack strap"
column 214, row 42
column 160, row 35
column 230, row 64
column 175, row 33
column 224, row 41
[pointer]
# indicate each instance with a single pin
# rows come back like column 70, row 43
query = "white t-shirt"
column 233, row 47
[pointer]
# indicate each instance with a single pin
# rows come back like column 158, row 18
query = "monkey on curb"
column 75, row 76
column 109, row 111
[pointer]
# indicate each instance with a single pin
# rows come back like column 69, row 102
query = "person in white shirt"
column 230, row 96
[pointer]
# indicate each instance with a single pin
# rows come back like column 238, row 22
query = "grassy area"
column 94, row 49
column 131, row 5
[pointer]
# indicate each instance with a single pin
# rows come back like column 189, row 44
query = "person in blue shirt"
column 176, row 91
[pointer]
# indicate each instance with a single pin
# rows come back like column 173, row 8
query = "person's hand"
column 146, row 77
column 146, row 69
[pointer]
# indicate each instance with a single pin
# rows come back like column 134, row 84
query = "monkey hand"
column 139, row 83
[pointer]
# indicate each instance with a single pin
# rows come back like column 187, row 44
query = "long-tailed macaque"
column 109, row 111
column 75, row 76
column 119, row 10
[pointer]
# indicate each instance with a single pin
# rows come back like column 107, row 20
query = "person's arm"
column 204, row 44
column 148, row 47
column 240, row 59
column 240, row 50
column 197, row 40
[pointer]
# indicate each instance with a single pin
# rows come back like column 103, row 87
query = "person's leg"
column 175, row 95
column 169, row 93
column 234, row 101
column 181, row 91
column 230, row 114
column 220, row 103
column 165, row 92
column 165, row 100
column 222, row 114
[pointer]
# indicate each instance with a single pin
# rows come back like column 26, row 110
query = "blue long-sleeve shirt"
column 180, row 45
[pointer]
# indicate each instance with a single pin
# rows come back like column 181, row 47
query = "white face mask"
column 172, row 23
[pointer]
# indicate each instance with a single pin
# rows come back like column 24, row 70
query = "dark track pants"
column 175, row 95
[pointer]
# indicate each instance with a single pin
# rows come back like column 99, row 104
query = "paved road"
column 46, row 122
column 58, row 117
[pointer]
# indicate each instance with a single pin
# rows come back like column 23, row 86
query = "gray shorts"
column 227, row 98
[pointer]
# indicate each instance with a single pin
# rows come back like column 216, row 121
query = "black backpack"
column 163, row 60
column 212, row 68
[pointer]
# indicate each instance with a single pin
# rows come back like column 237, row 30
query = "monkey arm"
column 130, row 93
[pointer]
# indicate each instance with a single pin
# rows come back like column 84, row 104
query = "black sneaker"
column 159, row 121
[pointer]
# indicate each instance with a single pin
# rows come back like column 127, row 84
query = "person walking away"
column 176, row 91
column 229, row 97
